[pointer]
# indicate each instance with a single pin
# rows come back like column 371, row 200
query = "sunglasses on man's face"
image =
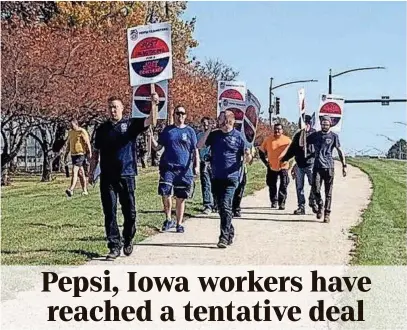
column 179, row 113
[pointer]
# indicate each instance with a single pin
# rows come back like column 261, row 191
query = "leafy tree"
column 28, row 12
column 217, row 70
column 398, row 150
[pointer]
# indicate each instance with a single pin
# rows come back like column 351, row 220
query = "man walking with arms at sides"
column 303, row 167
column 115, row 143
column 325, row 142
column 271, row 151
column 205, row 170
column 178, row 165
column 78, row 145
column 228, row 149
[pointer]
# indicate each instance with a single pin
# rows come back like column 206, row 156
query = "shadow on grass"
column 88, row 254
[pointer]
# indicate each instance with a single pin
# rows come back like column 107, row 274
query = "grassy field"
column 382, row 233
column 41, row 226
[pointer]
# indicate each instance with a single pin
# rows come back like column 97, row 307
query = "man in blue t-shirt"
column 179, row 164
column 227, row 153
column 325, row 142
column 115, row 145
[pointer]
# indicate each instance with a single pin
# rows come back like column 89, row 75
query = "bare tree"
column 216, row 70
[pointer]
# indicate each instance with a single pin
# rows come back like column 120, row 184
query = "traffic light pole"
column 376, row 101
column 271, row 106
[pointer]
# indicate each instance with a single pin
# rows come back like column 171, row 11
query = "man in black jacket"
column 302, row 168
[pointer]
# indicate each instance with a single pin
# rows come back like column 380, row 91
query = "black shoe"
column 113, row 254
column 282, row 206
column 299, row 211
column 128, row 248
column 222, row 244
column 230, row 242
column 319, row 214
column 237, row 214
column 327, row 218
column 274, row 205
column 314, row 208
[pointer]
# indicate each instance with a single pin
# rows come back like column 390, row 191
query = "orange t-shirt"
column 275, row 149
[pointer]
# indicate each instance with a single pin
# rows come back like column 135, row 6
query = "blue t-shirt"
column 324, row 144
column 179, row 146
column 117, row 145
column 227, row 150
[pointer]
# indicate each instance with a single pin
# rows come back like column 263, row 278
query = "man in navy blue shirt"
column 115, row 143
column 179, row 164
column 325, row 142
column 228, row 150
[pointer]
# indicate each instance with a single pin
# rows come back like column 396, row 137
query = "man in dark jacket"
column 303, row 167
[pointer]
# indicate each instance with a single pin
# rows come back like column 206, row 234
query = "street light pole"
column 271, row 107
column 347, row 71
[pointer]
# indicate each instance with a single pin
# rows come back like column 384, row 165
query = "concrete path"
column 265, row 236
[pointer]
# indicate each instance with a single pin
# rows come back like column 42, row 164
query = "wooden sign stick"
column 154, row 115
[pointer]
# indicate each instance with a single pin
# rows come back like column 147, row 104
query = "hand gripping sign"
column 332, row 106
column 251, row 118
column 141, row 105
column 233, row 90
column 150, row 57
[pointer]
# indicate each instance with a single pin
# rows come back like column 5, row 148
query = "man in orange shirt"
column 272, row 150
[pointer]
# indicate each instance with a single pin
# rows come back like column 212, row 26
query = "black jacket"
column 294, row 150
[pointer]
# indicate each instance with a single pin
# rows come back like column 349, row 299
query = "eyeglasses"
column 178, row 113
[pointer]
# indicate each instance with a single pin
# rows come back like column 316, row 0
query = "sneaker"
column 128, row 248
column 167, row 225
column 319, row 214
column 222, row 244
column 85, row 193
column 207, row 211
column 299, row 211
column 113, row 254
column 274, row 205
column 327, row 218
column 69, row 192
column 180, row 229
column 282, row 206
column 230, row 242
column 237, row 214
column 314, row 207
column 214, row 210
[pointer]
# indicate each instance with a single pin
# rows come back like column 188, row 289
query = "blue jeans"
column 224, row 190
column 206, row 185
column 300, row 174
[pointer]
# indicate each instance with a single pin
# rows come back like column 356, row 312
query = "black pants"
column 237, row 199
column 123, row 188
column 325, row 175
column 224, row 191
column 272, row 177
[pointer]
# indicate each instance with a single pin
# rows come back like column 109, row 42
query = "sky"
column 303, row 40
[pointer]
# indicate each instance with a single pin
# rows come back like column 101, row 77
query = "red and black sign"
column 231, row 94
column 151, row 46
column 251, row 115
column 239, row 114
column 333, row 110
column 249, row 132
column 144, row 91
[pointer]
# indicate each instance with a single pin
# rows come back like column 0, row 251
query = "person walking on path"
column 78, row 145
column 302, row 168
column 325, row 142
column 228, row 150
column 271, row 151
column 205, row 171
column 115, row 144
column 179, row 164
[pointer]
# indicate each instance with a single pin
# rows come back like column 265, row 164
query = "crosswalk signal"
column 277, row 105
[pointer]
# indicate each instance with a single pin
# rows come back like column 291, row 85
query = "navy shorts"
column 176, row 183
column 78, row 160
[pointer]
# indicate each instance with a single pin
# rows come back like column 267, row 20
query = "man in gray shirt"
column 325, row 142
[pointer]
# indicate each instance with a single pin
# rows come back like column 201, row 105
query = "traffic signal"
column 277, row 106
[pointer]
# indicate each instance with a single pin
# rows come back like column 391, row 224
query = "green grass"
column 381, row 236
column 40, row 226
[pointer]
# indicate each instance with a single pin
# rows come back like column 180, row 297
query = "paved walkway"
column 265, row 236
